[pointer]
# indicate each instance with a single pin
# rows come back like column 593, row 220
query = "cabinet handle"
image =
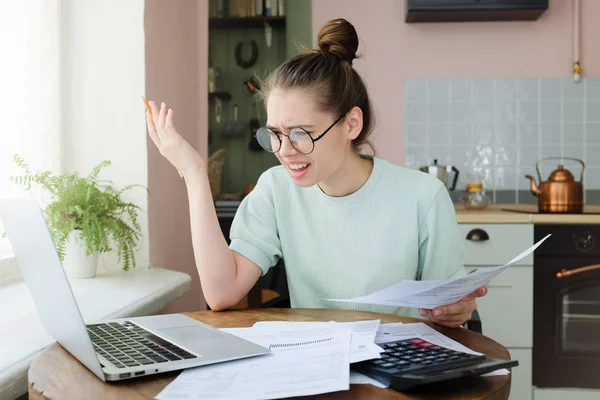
column 478, row 235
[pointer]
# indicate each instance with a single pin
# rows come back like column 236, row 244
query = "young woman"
column 346, row 224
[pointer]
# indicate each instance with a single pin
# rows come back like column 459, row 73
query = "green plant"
column 88, row 205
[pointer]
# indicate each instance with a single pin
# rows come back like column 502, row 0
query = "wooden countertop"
column 523, row 214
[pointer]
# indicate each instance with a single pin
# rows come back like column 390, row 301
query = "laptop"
column 116, row 349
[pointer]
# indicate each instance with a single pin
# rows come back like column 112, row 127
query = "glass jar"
column 476, row 199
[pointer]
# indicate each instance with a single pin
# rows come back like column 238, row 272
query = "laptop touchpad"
column 192, row 335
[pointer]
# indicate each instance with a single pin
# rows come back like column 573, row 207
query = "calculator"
column 410, row 363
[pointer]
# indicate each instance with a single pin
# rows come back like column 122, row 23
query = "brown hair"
column 327, row 72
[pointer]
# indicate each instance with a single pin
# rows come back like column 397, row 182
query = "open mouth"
column 297, row 170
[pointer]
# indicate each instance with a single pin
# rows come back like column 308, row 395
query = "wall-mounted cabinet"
column 474, row 10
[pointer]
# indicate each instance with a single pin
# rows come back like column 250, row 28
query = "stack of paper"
column 302, row 362
column 307, row 358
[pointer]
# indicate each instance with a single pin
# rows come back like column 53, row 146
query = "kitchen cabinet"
column 507, row 310
column 474, row 10
column 520, row 384
column 495, row 244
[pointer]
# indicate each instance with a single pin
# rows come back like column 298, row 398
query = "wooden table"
column 55, row 374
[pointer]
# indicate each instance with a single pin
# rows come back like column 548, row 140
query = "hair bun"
column 339, row 38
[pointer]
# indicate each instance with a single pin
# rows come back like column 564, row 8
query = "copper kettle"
column 561, row 193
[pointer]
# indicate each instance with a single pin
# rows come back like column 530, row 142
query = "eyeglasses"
column 299, row 138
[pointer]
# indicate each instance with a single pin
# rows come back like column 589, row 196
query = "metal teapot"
column 561, row 193
column 441, row 172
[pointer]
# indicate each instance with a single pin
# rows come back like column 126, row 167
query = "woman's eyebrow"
column 306, row 126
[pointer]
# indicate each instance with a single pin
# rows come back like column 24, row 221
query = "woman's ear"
column 354, row 122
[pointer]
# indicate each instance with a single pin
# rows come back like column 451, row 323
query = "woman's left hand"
column 454, row 315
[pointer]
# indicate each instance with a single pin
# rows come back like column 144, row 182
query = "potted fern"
column 86, row 217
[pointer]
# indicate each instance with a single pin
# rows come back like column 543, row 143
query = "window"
column 30, row 91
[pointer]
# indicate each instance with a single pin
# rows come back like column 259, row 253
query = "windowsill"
column 9, row 269
column 143, row 291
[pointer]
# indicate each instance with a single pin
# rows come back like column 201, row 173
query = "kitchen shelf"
column 225, row 96
column 245, row 22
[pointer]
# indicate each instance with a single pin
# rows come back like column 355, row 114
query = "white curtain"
column 30, row 100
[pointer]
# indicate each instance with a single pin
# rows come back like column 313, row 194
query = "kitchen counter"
column 523, row 214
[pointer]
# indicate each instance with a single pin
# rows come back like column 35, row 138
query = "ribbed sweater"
column 400, row 224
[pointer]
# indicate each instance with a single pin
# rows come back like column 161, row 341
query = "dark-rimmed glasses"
column 299, row 138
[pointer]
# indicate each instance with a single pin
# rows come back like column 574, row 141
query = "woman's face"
column 292, row 109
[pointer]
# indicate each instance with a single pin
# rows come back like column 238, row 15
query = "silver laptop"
column 117, row 349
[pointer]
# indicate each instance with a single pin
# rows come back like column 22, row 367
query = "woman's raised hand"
column 170, row 143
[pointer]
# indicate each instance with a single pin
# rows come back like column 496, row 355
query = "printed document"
column 434, row 293
column 301, row 363
column 362, row 340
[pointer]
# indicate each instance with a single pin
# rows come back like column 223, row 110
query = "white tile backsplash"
column 572, row 91
column 528, row 89
column 592, row 177
column 461, row 133
column 574, row 133
column 482, row 91
column 592, row 89
column 550, row 111
column 460, row 111
column 460, row 90
column 439, row 133
column 498, row 129
column 592, row 132
column 552, row 132
column 593, row 110
column 416, row 134
column 573, row 110
column 550, row 89
column 574, row 151
column 438, row 90
column 416, row 90
column 528, row 133
column 528, row 111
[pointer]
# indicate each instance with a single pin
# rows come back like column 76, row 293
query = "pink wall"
column 176, row 73
column 395, row 51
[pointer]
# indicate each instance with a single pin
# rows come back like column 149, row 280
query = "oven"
column 566, row 314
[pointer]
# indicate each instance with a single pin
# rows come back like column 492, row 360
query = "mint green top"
column 400, row 224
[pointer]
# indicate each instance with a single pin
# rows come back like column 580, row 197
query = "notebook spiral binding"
column 296, row 344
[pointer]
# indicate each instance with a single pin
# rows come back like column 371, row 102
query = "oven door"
column 566, row 342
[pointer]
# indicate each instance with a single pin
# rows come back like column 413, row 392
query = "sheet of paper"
column 362, row 346
column 356, row 378
column 301, row 363
column 392, row 332
column 435, row 293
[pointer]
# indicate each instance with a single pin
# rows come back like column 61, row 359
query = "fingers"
column 169, row 124
column 152, row 131
column 452, row 320
column 162, row 117
column 479, row 292
column 462, row 307
column 450, row 324
column 155, row 110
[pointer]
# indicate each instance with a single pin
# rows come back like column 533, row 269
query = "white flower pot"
column 76, row 264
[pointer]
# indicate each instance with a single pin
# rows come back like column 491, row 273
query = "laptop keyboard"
column 128, row 345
